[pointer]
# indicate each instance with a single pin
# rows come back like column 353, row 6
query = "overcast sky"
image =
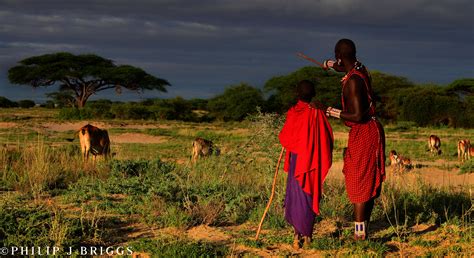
column 203, row 46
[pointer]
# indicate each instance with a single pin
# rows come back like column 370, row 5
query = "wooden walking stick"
column 309, row 59
column 271, row 195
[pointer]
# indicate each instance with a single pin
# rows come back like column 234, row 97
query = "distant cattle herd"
column 400, row 163
column 96, row 141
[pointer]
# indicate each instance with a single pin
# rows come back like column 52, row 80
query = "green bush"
column 26, row 103
column 6, row 103
column 49, row 104
column 431, row 107
column 152, row 109
column 74, row 114
column 130, row 111
column 236, row 102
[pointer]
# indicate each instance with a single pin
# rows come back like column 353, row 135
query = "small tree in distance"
column 6, row 103
column 82, row 74
column 63, row 98
column 26, row 103
column 236, row 102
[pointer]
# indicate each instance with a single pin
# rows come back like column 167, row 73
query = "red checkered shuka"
column 364, row 160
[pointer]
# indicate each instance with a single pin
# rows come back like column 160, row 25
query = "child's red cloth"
column 308, row 133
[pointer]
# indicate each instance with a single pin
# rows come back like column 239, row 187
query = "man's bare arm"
column 356, row 101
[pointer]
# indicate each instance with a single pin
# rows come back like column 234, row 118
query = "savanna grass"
column 178, row 247
column 38, row 167
column 40, row 225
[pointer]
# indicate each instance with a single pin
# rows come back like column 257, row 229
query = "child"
column 308, row 139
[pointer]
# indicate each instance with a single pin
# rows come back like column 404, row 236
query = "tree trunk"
column 81, row 101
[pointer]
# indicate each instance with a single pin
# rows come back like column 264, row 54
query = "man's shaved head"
column 345, row 49
column 305, row 90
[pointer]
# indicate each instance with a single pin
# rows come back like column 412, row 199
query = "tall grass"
column 37, row 167
column 41, row 225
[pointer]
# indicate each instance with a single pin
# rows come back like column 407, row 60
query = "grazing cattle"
column 434, row 144
column 464, row 149
column 95, row 141
column 471, row 151
column 399, row 163
column 203, row 148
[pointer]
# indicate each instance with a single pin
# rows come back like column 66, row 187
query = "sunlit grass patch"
column 467, row 167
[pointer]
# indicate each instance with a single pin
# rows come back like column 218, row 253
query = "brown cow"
column 203, row 148
column 464, row 147
column 398, row 162
column 434, row 144
column 94, row 140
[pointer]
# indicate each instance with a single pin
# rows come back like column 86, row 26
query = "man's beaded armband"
column 334, row 112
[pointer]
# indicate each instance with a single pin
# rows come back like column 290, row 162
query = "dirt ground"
column 137, row 138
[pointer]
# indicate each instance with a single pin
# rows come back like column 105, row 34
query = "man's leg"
column 368, row 209
column 362, row 212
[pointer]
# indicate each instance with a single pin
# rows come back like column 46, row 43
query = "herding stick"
column 271, row 195
column 309, row 59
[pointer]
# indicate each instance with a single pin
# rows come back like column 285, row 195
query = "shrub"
column 467, row 167
column 26, row 103
column 49, row 104
column 130, row 111
column 6, row 103
column 236, row 102
column 75, row 114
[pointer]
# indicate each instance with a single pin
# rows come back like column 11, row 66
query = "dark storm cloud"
column 203, row 46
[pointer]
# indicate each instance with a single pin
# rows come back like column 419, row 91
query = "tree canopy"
column 6, row 103
column 283, row 88
column 461, row 87
column 236, row 102
column 396, row 97
column 84, row 74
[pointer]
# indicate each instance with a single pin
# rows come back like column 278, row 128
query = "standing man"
column 308, row 140
column 364, row 160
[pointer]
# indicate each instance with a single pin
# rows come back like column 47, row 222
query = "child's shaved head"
column 305, row 90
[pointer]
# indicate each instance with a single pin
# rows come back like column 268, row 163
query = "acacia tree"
column 83, row 74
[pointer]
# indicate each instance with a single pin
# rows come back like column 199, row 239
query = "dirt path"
column 137, row 138
column 114, row 138
column 8, row 124
column 74, row 126
column 242, row 244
